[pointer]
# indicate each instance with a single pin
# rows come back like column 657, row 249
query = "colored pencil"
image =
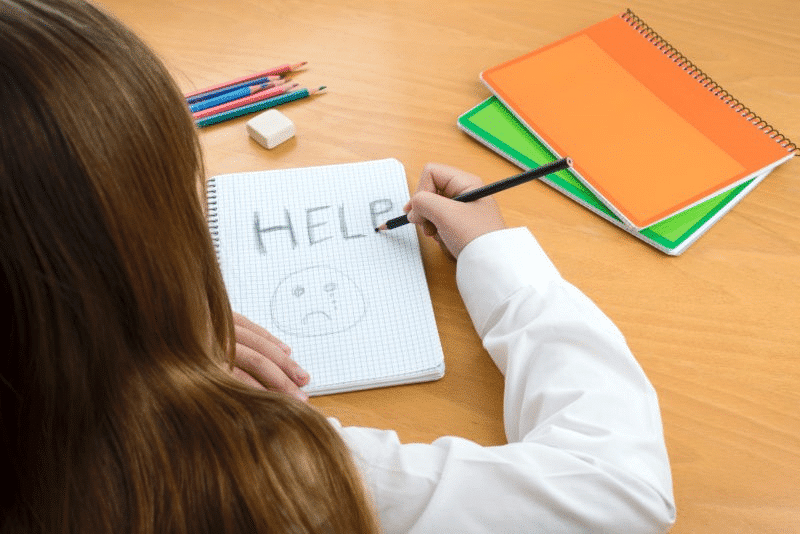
column 230, row 96
column 282, row 69
column 244, row 101
column 257, row 106
column 493, row 188
column 213, row 94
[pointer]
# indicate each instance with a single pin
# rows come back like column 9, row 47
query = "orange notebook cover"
column 649, row 133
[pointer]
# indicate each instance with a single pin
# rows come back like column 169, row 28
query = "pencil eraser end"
column 271, row 128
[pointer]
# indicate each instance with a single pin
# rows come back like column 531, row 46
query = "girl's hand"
column 453, row 224
column 263, row 361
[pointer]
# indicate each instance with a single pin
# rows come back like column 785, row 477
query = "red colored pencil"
column 282, row 69
column 256, row 97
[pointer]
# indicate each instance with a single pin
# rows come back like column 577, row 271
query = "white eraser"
column 270, row 128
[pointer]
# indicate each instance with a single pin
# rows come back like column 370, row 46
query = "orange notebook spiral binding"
column 706, row 81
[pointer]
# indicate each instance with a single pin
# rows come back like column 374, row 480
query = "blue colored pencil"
column 257, row 106
column 235, row 87
column 249, row 79
column 226, row 97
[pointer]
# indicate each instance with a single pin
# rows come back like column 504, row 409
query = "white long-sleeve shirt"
column 585, row 448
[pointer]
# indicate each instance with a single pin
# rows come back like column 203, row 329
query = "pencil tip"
column 379, row 228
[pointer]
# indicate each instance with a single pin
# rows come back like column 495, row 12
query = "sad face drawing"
column 317, row 301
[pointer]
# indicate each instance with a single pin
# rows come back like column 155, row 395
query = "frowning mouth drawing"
column 308, row 316
column 317, row 301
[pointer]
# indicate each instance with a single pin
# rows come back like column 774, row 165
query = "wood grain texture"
column 716, row 329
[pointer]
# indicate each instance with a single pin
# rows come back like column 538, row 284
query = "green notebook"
column 492, row 124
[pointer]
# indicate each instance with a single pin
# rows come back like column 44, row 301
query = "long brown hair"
column 115, row 411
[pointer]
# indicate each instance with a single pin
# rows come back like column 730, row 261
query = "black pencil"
column 491, row 189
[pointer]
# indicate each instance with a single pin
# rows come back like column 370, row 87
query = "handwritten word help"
column 320, row 223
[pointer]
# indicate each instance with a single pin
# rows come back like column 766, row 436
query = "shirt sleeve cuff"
column 494, row 266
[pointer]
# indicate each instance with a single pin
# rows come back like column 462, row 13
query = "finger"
column 267, row 372
column 259, row 339
column 428, row 228
column 453, row 221
column 257, row 329
column 446, row 181
column 430, row 208
column 267, row 350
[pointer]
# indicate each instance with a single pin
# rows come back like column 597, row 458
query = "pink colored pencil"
column 223, row 96
column 257, row 97
column 282, row 69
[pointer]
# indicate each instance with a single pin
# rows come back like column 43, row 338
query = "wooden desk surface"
column 716, row 329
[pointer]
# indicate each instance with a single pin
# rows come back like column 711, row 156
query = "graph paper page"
column 299, row 256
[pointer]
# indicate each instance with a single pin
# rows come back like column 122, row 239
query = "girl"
column 119, row 411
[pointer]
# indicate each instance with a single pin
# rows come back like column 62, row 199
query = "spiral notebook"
column 494, row 126
column 299, row 256
column 650, row 134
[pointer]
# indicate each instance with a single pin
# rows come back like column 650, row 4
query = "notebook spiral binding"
column 705, row 80
column 213, row 219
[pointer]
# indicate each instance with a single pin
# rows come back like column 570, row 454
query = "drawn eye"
column 330, row 286
column 298, row 291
